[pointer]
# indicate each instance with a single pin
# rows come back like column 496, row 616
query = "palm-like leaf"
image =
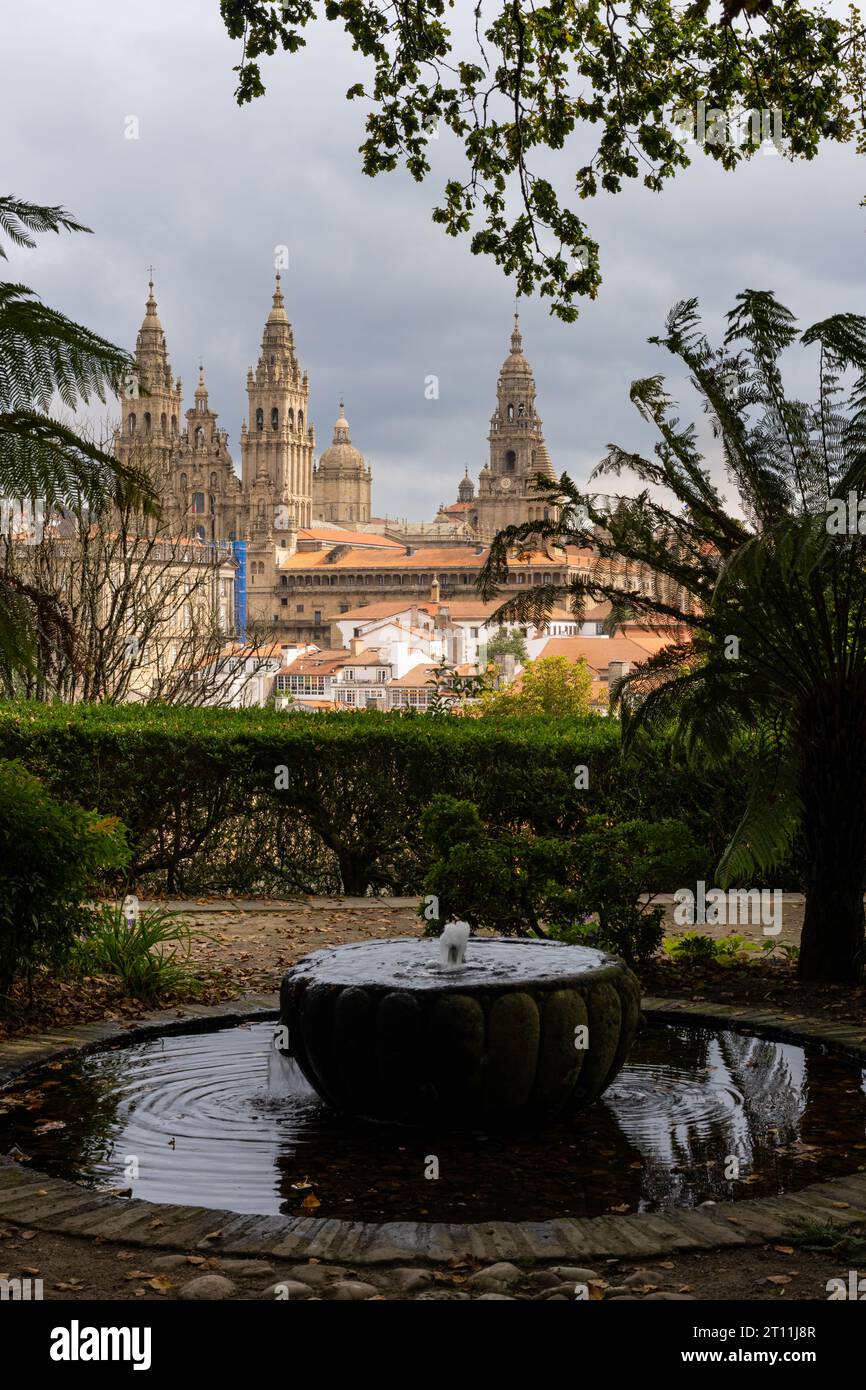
column 43, row 356
column 769, row 608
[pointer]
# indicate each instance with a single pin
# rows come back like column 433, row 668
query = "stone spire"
column 278, row 441
column 150, row 348
column 518, row 453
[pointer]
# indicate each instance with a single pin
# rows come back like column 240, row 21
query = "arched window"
column 147, row 422
column 199, row 531
column 510, row 413
column 130, row 424
column 213, row 483
column 351, row 513
column 300, row 419
column 183, row 482
column 291, row 418
column 163, row 422
column 521, row 411
column 210, row 500
column 275, row 419
column 510, row 460
column 174, row 424
column 199, row 436
column 260, row 419
column 198, row 503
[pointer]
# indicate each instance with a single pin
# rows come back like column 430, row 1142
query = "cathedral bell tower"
column 277, row 442
column 151, row 404
column 506, row 496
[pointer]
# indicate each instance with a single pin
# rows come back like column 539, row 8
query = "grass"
column 149, row 956
column 828, row 1238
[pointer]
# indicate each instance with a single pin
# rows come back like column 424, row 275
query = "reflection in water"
column 220, row 1119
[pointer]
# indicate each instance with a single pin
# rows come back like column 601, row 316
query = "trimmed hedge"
column 254, row 801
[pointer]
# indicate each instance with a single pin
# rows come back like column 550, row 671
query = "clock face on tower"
column 505, row 484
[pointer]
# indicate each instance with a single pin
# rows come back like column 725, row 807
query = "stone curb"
column 56, row 1205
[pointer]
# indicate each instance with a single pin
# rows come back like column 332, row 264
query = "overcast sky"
column 379, row 297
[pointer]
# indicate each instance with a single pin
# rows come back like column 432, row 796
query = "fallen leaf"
column 784, row 1249
column 311, row 1202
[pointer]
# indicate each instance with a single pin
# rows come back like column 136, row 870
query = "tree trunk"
column 355, row 871
column 832, row 746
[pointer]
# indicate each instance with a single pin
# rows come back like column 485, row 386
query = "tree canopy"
column 616, row 86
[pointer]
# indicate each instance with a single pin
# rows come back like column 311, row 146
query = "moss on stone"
column 513, row 1032
column 559, row 1061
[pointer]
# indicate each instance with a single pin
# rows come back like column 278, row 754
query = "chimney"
column 616, row 670
column 356, row 645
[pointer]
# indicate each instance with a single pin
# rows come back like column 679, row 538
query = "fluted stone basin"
column 521, row 1029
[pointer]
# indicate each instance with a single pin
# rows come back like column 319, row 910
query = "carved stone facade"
column 282, row 494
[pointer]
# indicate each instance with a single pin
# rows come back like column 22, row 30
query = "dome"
column 341, row 453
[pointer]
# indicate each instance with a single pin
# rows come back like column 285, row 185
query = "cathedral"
column 287, row 502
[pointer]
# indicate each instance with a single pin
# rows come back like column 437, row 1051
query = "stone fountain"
column 412, row 1029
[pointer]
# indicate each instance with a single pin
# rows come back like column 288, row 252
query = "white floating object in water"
column 452, row 944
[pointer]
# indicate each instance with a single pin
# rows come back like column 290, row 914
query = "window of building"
column 299, row 608
column 317, row 617
column 275, row 419
column 510, row 461
column 284, row 603
column 473, row 632
column 163, row 422
column 130, row 423
column 147, row 422
column 260, row 419
column 198, row 503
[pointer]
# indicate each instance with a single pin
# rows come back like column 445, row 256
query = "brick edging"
column 56, row 1205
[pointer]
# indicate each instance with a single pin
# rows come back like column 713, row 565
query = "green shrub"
column 148, row 956
column 595, row 889
column 207, row 810
column 697, row 948
column 50, row 854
